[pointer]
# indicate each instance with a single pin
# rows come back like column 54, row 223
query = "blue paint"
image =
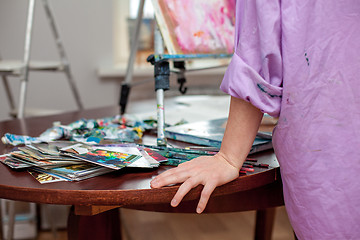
column 262, row 88
column 189, row 56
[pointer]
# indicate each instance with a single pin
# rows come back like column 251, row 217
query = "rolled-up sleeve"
column 255, row 71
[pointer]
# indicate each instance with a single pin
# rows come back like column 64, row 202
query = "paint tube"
column 54, row 133
column 15, row 140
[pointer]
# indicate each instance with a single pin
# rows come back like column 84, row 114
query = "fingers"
column 187, row 186
column 171, row 176
column 205, row 195
column 207, row 171
column 183, row 190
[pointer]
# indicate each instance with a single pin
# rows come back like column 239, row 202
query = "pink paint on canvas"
column 202, row 26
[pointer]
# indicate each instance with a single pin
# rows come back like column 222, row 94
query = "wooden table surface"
column 127, row 187
column 130, row 188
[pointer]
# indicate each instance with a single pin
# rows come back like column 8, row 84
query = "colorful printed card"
column 155, row 155
column 143, row 162
column 46, row 148
column 149, row 159
column 13, row 163
column 76, row 172
column 109, row 159
column 78, row 148
column 24, row 157
column 45, row 178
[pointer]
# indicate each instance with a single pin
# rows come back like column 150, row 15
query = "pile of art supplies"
column 91, row 147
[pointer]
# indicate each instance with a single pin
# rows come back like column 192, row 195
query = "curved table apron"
column 131, row 189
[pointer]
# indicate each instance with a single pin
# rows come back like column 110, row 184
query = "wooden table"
column 95, row 201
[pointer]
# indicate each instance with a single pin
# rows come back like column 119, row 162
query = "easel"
column 161, row 72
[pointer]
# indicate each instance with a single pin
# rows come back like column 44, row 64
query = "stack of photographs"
column 72, row 161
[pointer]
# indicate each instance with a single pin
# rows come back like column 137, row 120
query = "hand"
column 210, row 171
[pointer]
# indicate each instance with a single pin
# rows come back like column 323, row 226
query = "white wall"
column 85, row 27
column 87, row 31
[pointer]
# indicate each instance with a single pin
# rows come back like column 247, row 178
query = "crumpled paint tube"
column 54, row 133
column 87, row 130
column 15, row 140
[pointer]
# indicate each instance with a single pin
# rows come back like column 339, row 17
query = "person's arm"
column 242, row 125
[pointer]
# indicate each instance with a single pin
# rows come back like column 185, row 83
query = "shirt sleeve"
column 255, row 71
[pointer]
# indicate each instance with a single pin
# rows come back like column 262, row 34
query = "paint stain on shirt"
column 307, row 59
column 263, row 89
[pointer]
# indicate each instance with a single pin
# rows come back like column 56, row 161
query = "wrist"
column 233, row 161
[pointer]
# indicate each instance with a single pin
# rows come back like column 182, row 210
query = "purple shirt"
column 300, row 60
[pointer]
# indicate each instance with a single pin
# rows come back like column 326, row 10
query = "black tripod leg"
column 124, row 95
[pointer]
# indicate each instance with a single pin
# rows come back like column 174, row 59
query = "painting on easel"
column 196, row 27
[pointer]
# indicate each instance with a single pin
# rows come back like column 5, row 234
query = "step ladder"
column 18, row 223
column 22, row 68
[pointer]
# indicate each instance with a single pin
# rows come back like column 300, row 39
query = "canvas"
column 210, row 133
column 196, row 27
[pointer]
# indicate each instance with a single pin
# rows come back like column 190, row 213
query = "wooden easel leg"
column 104, row 225
column 264, row 223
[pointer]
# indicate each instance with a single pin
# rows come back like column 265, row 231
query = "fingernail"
column 173, row 202
column 154, row 183
column 198, row 210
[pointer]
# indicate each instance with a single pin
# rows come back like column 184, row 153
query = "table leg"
column 264, row 223
column 105, row 225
